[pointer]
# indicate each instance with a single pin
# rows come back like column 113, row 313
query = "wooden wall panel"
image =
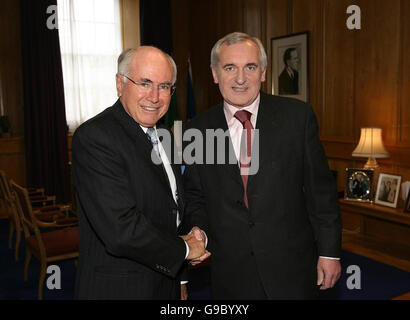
column 254, row 19
column 308, row 16
column 12, row 159
column 376, row 67
column 255, row 23
column 203, row 33
column 276, row 26
column 404, row 67
column 338, row 73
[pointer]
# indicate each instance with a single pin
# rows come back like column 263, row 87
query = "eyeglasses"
column 164, row 89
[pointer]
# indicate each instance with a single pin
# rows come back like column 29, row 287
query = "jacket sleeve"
column 321, row 192
column 109, row 205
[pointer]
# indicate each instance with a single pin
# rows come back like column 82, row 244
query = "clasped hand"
column 196, row 243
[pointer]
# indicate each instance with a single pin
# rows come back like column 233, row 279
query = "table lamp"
column 371, row 146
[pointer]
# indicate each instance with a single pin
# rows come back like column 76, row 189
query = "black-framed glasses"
column 164, row 89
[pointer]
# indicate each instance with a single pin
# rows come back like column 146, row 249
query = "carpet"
column 367, row 280
column 378, row 281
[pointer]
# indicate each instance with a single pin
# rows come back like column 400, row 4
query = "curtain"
column 44, row 109
column 156, row 30
column 90, row 37
column 156, row 24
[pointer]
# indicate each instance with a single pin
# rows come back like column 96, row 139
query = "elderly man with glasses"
column 129, row 206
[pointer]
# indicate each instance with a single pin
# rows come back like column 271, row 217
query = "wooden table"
column 376, row 231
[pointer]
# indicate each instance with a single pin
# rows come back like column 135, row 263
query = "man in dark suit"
column 274, row 233
column 289, row 78
column 129, row 207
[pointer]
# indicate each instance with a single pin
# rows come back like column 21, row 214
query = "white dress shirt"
column 171, row 177
column 235, row 126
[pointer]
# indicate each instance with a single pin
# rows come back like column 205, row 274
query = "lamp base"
column 371, row 164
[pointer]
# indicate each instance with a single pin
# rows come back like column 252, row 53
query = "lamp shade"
column 370, row 144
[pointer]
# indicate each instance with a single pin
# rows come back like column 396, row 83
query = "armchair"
column 48, row 246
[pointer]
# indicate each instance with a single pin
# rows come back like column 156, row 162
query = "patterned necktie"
column 246, row 148
column 153, row 138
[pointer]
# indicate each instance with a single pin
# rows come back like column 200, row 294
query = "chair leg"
column 18, row 239
column 26, row 263
column 11, row 231
column 41, row 281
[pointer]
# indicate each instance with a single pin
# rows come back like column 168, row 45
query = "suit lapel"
column 136, row 133
column 268, row 125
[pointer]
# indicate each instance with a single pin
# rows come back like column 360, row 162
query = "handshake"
column 196, row 243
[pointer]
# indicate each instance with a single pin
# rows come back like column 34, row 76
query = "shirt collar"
column 145, row 129
column 230, row 110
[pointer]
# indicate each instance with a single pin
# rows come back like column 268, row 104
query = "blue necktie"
column 153, row 138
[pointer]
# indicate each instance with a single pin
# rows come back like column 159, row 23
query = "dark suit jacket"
column 287, row 85
column 129, row 247
column 292, row 202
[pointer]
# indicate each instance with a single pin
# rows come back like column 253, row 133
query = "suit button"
column 251, row 224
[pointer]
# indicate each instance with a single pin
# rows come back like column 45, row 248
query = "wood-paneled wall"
column 357, row 77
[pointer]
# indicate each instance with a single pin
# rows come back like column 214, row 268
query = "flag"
column 190, row 103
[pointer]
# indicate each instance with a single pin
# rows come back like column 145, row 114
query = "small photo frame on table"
column 359, row 185
column 388, row 188
column 407, row 204
column 290, row 66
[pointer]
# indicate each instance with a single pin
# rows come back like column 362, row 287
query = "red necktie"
column 246, row 148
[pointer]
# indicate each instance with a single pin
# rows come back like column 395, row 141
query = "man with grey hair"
column 129, row 206
column 275, row 234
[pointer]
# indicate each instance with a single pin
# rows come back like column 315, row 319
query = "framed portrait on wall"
column 359, row 185
column 387, row 192
column 290, row 66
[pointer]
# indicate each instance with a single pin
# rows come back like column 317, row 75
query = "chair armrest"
column 49, row 200
column 66, row 222
column 49, row 216
column 48, row 208
column 32, row 191
column 58, row 222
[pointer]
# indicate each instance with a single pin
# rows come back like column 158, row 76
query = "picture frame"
column 407, row 204
column 359, row 185
column 388, row 187
column 289, row 63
